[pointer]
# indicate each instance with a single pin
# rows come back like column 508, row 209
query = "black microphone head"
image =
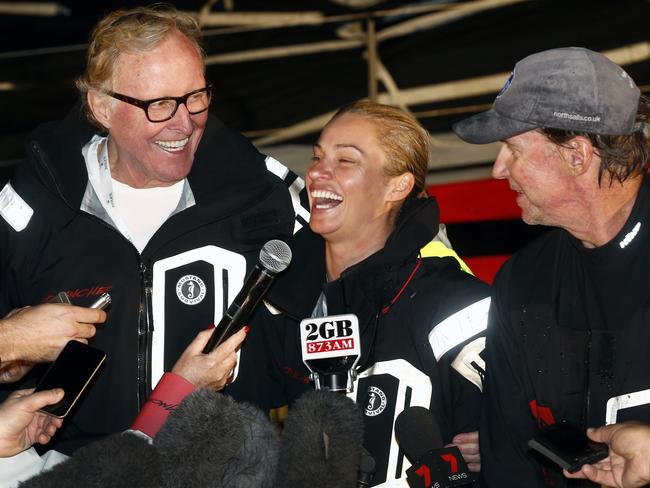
column 212, row 441
column 122, row 460
column 275, row 256
column 321, row 442
column 417, row 432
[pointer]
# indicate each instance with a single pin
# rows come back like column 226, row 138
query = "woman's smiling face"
column 347, row 185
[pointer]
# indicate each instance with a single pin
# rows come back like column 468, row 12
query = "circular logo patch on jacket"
column 376, row 402
column 190, row 290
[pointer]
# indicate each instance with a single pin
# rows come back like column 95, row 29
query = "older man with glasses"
column 156, row 202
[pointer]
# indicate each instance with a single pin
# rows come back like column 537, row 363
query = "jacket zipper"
column 145, row 335
column 145, row 312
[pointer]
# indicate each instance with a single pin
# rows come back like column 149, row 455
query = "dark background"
column 260, row 95
column 42, row 56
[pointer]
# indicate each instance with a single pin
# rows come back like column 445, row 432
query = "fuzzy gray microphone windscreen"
column 211, row 440
column 321, row 442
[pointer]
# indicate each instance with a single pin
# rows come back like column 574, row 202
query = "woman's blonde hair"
column 403, row 139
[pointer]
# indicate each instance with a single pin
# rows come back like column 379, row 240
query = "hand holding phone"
column 567, row 445
column 72, row 370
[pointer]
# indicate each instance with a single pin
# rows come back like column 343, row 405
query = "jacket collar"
column 364, row 287
column 227, row 168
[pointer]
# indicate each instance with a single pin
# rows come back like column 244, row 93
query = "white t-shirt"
column 28, row 463
column 144, row 210
column 136, row 212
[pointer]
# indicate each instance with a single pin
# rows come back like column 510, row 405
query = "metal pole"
column 371, row 41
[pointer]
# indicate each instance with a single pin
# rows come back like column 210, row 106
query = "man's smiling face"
column 145, row 154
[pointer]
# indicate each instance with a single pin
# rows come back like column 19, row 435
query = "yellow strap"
column 436, row 249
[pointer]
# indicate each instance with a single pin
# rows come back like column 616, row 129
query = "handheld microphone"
column 321, row 442
column 433, row 466
column 274, row 258
column 331, row 350
column 367, row 468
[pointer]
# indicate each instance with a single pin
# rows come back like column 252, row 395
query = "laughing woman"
column 370, row 249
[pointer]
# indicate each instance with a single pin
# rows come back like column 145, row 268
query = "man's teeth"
column 326, row 194
column 173, row 145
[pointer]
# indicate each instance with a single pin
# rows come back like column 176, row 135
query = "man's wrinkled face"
column 145, row 154
column 537, row 170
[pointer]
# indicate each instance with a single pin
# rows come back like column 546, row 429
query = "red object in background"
column 472, row 201
column 477, row 201
column 485, row 267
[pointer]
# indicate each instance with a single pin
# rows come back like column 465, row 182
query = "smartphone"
column 568, row 446
column 73, row 369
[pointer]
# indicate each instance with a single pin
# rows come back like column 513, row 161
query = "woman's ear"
column 101, row 107
column 401, row 187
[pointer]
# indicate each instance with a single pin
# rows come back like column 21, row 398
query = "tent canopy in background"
column 281, row 68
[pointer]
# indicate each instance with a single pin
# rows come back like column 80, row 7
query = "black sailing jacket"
column 417, row 351
column 568, row 339
column 239, row 206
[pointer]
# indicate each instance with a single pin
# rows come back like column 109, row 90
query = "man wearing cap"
column 569, row 323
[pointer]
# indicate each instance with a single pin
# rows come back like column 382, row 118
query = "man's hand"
column 628, row 463
column 467, row 444
column 211, row 370
column 37, row 334
column 12, row 371
column 22, row 425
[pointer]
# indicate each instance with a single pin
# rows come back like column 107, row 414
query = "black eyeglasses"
column 164, row 108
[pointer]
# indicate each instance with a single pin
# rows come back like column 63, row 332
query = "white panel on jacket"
column 459, row 327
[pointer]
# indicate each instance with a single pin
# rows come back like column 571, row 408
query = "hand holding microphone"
column 432, row 465
column 209, row 360
column 210, row 370
column 274, row 258
column 468, row 445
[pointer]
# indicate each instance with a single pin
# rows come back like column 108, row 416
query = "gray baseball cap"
column 569, row 88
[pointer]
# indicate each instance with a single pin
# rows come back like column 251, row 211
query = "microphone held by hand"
column 274, row 258
column 419, row 438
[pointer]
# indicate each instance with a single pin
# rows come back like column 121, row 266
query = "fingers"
column 40, row 399
column 577, row 475
column 199, row 342
column 599, row 476
column 223, row 372
column 466, row 438
column 601, row 434
column 467, row 444
column 49, row 429
column 20, row 393
column 232, row 343
column 85, row 331
column 87, row 315
column 14, row 371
